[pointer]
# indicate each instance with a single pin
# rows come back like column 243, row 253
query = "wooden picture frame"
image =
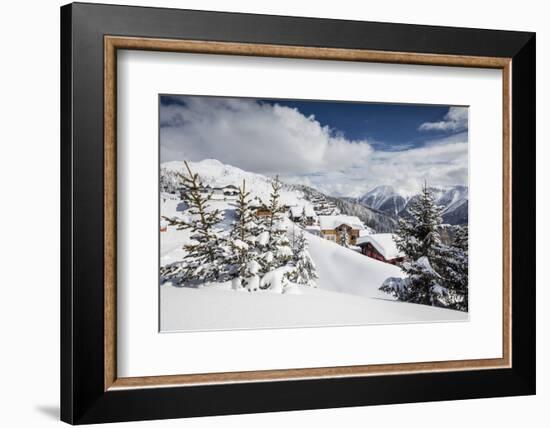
column 91, row 390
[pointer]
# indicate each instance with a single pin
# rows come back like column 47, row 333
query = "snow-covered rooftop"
column 297, row 211
column 333, row 221
column 384, row 244
column 313, row 227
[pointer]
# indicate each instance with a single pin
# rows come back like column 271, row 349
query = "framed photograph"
column 266, row 213
column 316, row 225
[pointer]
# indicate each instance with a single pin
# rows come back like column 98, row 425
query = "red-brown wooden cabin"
column 380, row 246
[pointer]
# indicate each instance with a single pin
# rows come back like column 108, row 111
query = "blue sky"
column 342, row 148
column 387, row 126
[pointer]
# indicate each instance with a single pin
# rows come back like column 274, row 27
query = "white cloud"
column 257, row 137
column 442, row 162
column 273, row 139
column 455, row 120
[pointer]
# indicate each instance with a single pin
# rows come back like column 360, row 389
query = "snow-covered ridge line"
column 216, row 174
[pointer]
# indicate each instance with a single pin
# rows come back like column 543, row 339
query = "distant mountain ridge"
column 385, row 199
column 452, row 199
column 379, row 208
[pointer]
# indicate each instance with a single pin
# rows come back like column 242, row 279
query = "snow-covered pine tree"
column 422, row 285
column 305, row 272
column 206, row 259
column 243, row 238
column 344, row 237
column 303, row 218
column 277, row 251
column 460, row 238
column 453, row 265
column 169, row 181
column 245, row 227
column 460, row 243
column 418, row 238
column 418, row 235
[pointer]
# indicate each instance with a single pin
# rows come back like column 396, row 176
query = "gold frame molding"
column 113, row 43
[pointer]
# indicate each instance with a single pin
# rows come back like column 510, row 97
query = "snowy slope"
column 216, row 174
column 346, row 271
column 347, row 294
column 188, row 309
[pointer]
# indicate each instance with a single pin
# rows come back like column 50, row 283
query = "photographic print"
column 280, row 213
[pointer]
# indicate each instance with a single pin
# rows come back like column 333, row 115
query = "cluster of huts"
column 379, row 246
column 226, row 192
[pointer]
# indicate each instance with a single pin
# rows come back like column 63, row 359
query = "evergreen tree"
column 206, row 257
column 453, row 265
column 303, row 218
column 305, row 271
column 344, row 237
column 277, row 251
column 418, row 238
column 460, row 238
column 243, row 238
column 422, row 285
column 169, row 181
column 418, row 235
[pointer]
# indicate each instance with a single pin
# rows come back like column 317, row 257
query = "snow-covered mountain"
column 385, row 199
column 453, row 199
column 216, row 174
